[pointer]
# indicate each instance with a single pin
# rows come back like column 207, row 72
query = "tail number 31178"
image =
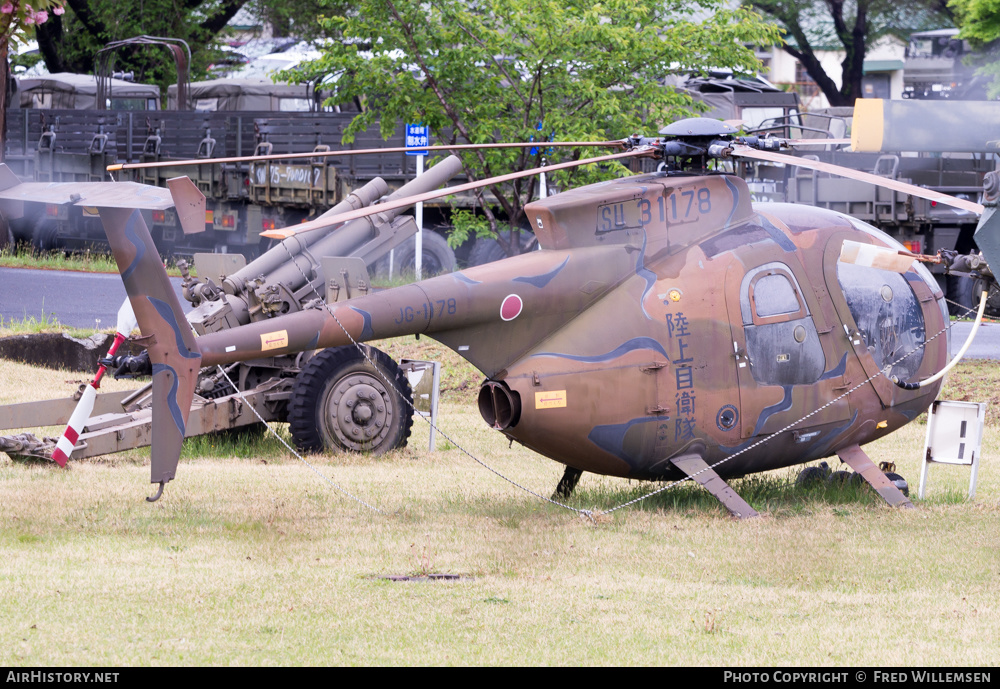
column 685, row 205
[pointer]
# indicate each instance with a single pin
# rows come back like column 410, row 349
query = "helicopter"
column 668, row 327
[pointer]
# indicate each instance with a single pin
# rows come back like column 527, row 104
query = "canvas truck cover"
column 66, row 91
column 245, row 94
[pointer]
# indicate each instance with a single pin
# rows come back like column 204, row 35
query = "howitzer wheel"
column 341, row 402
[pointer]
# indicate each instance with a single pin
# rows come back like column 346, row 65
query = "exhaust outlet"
column 499, row 405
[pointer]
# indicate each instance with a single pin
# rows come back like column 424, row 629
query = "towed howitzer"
column 298, row 273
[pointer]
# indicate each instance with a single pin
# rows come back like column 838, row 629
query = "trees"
column 979, row 21
column 70, row 42
column 15, row 19
column 510, row 70
column 852, row 26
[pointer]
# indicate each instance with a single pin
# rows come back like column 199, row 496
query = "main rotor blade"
column 816, row 142
column 321, row 223
column 872, row 256
column 929, row 194
column 355, row 152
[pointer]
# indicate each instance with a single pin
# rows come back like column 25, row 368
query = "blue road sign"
column 417, row 137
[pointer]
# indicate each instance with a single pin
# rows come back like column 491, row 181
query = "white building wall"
column 782, row 70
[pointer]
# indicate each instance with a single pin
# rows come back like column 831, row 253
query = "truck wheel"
column 44, row 236
column 341, row 402
column 487, row 250
column 438, row 257
column 967, row 293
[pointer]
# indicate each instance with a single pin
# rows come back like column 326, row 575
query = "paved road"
column 75, row 299
column 985, row 346
column 79, row 299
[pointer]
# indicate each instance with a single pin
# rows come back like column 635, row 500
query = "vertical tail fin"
column 171, row 345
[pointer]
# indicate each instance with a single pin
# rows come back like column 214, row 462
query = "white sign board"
column 954, row 436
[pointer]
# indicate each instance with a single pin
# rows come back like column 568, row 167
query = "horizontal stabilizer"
column 190, row 204
column 103, row 194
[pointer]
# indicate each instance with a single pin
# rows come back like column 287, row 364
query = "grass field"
column 251, row 559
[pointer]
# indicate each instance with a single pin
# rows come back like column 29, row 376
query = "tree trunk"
column 4, row 88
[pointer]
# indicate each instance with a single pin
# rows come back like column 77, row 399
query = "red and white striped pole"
column 78, row 419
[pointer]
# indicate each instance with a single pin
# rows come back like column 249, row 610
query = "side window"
column 781, row 339
column 772, row 294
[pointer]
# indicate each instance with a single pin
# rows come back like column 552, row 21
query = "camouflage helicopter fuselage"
column 665, row 316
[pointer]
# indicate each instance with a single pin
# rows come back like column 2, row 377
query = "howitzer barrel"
column 277, row 256
column 925, row 125
column 348, row 239
column 345, row 241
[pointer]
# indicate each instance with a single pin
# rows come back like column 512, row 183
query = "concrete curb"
column 57, row 350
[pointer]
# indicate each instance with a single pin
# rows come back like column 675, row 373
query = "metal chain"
column 582, row 512
column 290, row 449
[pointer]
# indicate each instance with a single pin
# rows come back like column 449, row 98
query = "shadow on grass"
column 777, row 496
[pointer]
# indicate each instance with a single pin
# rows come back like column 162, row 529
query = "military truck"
column 76, row 142
column 69, row 139
column 935, row 68
column 733, row 97
column 919, row 225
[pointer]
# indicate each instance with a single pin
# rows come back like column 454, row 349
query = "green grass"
column 86, row 261
column 44, row 323
column 250, row 559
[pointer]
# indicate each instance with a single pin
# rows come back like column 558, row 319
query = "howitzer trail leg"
column 855, row 458
column 695, row 467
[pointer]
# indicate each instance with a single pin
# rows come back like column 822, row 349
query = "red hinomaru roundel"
column 511, row 307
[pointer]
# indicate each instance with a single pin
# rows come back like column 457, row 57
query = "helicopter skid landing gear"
column 695, row 467
column 855, row 458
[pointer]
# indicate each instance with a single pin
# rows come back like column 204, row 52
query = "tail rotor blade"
column 172, row 348
column 127, row 321
column 85, row 407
